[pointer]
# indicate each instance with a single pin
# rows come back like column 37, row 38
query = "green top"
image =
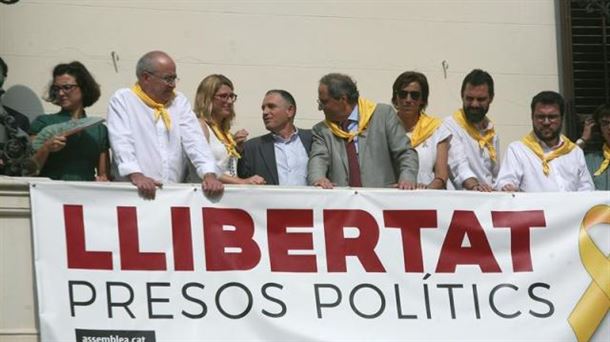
column 78, row 160
column 594, row 160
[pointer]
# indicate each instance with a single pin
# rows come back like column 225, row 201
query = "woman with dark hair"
column 82, row 156
column 428, row 136
column 598, row 161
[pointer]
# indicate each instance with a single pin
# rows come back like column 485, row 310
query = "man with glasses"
column 544, row 160
column 360, row 143
column 152, row 128
column 281, row 156
column 474, row 148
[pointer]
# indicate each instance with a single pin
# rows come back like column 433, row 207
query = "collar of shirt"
column 279, row 139
column 353, row 118
column 547, row 149
column 67, row 113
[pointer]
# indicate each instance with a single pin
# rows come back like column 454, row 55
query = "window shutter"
column 586, row 63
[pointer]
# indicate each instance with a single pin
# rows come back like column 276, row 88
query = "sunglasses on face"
column 402, row 94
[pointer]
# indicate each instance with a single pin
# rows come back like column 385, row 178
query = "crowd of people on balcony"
column 154, row 136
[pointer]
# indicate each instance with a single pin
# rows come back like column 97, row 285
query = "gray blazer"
column 258, row 157
column 384, row 153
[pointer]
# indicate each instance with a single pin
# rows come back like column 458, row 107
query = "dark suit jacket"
column 22, row 121
column 258, row 157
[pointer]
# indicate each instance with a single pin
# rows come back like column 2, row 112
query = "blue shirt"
column 291, row 159
column 352, row 125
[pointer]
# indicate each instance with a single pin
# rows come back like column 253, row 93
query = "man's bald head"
column 150, row 61
column 156, row 72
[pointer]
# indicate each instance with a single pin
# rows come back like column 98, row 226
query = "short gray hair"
column 146, row 63
column 284, row 95
column 340, row 85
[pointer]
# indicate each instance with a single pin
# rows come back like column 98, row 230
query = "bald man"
column 152, row 128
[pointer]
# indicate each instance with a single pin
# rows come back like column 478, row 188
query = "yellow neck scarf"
column 424, row 128
column 533, row 144
column 160, row 110
column 226, row 138
column 485, row 141
column 366, row 109
column 606, row 161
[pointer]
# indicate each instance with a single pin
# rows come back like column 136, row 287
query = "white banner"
column 268, row 263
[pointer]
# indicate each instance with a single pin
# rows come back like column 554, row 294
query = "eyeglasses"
column 415, row 95
column 169, row 79
column 227, row 97
column 321, row 103
column 551, row 118
column 65, row 87
column 604, row 123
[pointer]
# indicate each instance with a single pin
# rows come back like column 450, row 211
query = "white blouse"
column 225, row 163
column 426, row 152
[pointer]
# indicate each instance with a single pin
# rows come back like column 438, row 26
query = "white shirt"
column 522, row 168
column 426, row 152
column 464, row 147
column 139, row 144
column 225, row 163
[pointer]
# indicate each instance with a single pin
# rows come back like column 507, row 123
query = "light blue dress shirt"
column 291, row 159
column 352, row 126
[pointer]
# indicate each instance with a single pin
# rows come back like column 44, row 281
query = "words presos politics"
column 118, row 297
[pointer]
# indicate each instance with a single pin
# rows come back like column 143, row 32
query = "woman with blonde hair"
column 214, row 108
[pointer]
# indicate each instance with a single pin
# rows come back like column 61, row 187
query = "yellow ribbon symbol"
column 595, row 302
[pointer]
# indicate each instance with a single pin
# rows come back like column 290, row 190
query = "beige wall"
column 17, row 304
column 290, row 44
column 260, row 45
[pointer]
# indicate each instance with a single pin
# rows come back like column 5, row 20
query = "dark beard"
column 475, row 115
column 546, row 140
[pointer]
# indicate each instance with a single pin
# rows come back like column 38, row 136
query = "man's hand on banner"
column 147, row 187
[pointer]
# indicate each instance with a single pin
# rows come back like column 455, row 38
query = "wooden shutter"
column 585, row 59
